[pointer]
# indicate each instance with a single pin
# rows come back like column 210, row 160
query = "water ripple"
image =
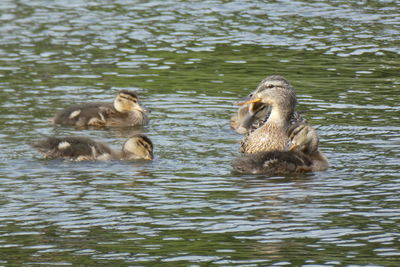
column 189, row 62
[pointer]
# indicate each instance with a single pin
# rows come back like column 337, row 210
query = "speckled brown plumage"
column 272, row 134
column 266, row 138
column 273, row 162
column 266, row 149
column 102, row 114
column 71, row 147
column 304, row 138
column 79, row 148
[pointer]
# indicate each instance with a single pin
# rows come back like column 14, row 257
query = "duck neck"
column 279, row 117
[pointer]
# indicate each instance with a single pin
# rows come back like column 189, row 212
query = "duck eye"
column 270, row 85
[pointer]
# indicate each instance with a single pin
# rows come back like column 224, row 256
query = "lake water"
column 189, row 61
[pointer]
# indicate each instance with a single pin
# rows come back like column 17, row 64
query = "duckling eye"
column 143, row 144
column 270, row 85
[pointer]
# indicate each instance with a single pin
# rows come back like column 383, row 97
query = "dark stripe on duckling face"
column 295, row 129
column 145, row 142
column 127, row 97
column 128, row 93
column 127, row 101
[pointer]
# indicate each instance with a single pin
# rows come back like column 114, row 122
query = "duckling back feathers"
column 83, row 114
column 273, row 162
column 73, row 147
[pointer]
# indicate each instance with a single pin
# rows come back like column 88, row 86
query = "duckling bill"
column 79, row 148
column 126, row 110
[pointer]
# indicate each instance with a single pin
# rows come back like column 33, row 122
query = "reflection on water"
column 189, row 62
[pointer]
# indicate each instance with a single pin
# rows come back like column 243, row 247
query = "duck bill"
column 149, row 156
column 143, row 109
column 293, row 147
column 250, row 101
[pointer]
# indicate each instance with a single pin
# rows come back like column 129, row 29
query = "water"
column 190, row 61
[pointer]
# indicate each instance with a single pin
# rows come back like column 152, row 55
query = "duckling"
column 273, row 162
column 303, row 155
column 248, row 117
column 124, row 111
column 305, row 138
column 79, row 148
column 278, row 94
column 246, row 120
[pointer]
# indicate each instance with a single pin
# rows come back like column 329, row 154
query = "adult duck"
column 272, row 135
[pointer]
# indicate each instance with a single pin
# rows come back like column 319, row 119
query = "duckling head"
column 249, row 114
column 304, row 138
column 138, row 146
column 126, row 101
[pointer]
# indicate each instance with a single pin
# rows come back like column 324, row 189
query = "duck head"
column 276, row 92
